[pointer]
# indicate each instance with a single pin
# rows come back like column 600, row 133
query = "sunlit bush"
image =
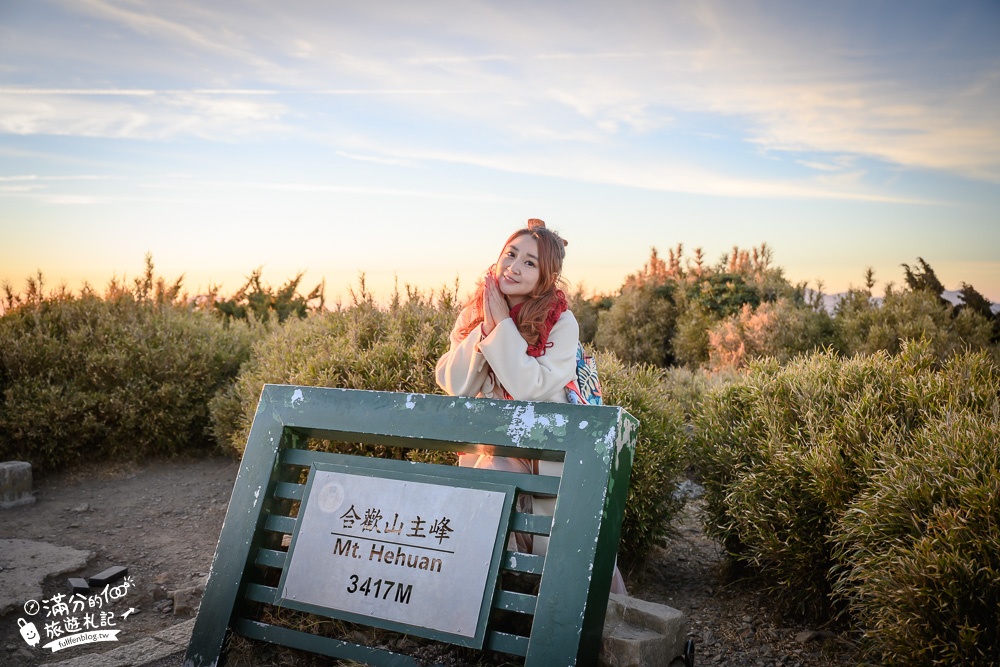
column 918, row 550
column 91, row 378
column 781, row 329
column 784, row 451
column 920, row 546
column 359, row 347
column 864, row 327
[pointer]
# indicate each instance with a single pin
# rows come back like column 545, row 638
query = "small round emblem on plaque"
column 331, row 497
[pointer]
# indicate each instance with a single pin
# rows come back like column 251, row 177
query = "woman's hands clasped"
column 495, row 308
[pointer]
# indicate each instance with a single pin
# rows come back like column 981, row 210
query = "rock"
column 78, row 585
column 24, row 564
column 15, row 484
column 807, row 636
column 640, row 633
column 688, row 489
column 186, row 600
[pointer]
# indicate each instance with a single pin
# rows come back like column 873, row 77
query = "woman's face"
column 517, row 269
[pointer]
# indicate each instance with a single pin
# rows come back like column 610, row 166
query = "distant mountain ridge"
column 830, row 301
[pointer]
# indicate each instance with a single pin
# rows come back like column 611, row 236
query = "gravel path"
column 730, row 620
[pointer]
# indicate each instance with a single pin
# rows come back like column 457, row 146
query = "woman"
column 517, row 339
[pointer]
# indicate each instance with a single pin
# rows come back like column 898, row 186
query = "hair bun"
column 535, row 223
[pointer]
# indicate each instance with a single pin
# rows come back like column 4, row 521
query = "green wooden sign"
column 288, row 502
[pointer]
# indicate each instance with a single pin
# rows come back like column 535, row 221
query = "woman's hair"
column 551, row 252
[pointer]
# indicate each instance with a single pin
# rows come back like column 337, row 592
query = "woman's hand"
column 495, row 308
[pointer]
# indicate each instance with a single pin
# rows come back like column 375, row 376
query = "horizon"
column 398, row 287
column 336, row 139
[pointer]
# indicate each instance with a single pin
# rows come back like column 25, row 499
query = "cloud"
column 395, row 162
column 802, row 84
column 658, row 175
column 132, row 114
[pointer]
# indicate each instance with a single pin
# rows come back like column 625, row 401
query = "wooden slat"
column 539, row 485
column 271, row 558
column 289, row 491
column 515, row 561
column 507, row 643
column 279, row 524
column 322, row 645
column 519, row 602
column 260, row 593
column 536, row 524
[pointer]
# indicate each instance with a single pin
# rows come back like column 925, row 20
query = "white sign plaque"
column 400, row 550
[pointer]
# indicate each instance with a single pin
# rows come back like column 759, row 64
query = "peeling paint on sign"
column 525, row 424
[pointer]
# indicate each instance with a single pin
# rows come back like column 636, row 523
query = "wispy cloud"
column 797, row 86
column 136, row 114
column 660, row 176
column 391, row 161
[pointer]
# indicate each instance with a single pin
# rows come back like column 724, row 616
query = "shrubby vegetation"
column 866, row 486
column 920, row 546
column 362, row 346
column 683, row 312
column 258, row 301
column 124, row 375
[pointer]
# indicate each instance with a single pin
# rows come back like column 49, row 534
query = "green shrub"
column 919, row 548
column 687, row 388
column 864, row 327
column 865, row 479
column 723, row 293
column 258, row 301
column 126, row 376
column 639, row 325
column 690, row 341
column 662, row 442
column 783, row 450
column 587, row 310
column 361, row 347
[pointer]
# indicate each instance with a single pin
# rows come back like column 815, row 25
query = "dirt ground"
column 162, row 519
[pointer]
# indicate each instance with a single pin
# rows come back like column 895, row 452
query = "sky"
column 406, row 140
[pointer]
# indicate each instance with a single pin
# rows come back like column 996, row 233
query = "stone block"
column 15, row 484
column 638, row 633
column 78, row 585
column 108, row 576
